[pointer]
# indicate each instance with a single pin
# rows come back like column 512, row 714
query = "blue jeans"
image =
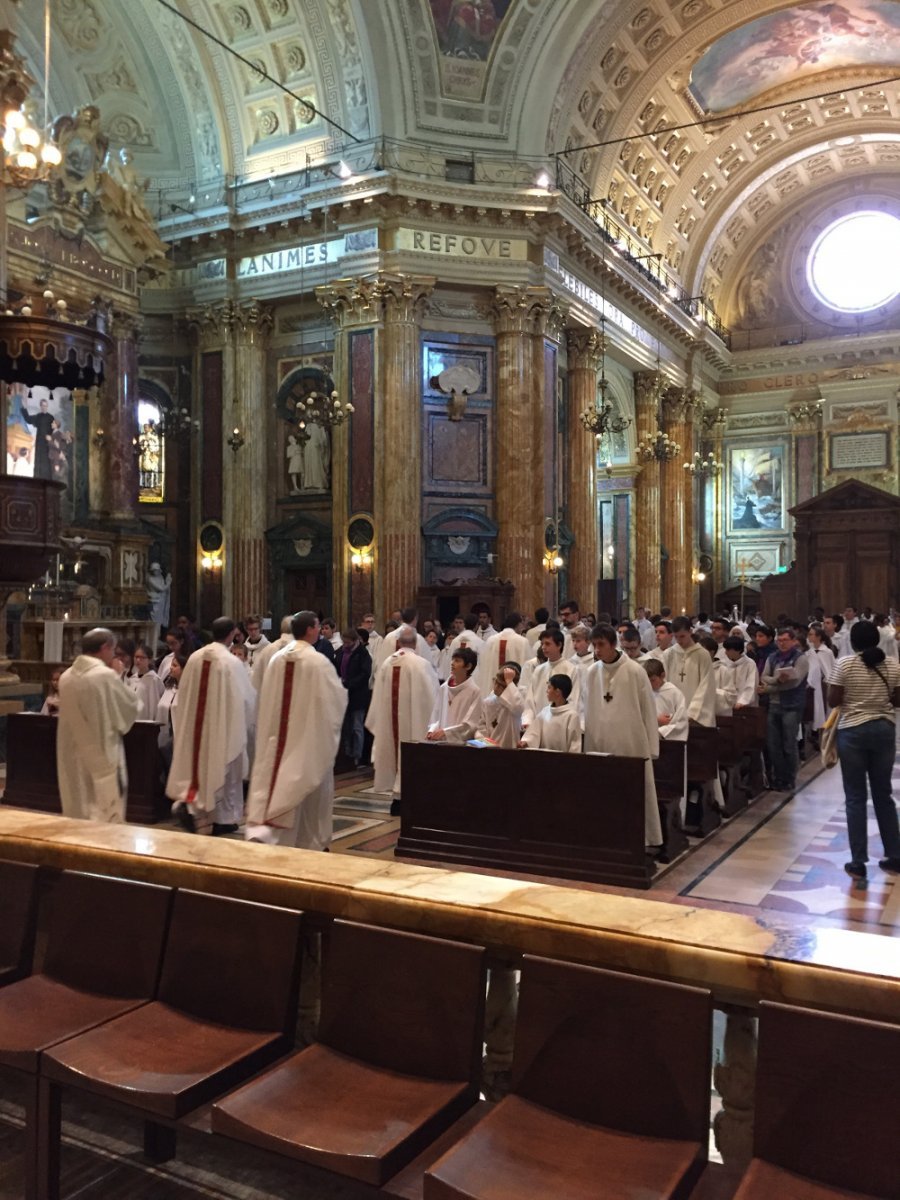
column 867, row 752
column 354, row 733
column 781, row 742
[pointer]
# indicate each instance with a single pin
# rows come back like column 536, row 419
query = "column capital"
column 404, row 296
column 586, row 349
column 125, row 326
column 220, row 322
column 351, row 301
column 646, row 387
column 526, row 309
column 681, row 403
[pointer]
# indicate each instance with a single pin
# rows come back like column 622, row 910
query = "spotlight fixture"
column 236, row 440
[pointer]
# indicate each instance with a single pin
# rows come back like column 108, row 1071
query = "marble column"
column 354, row 306
column 120, row 424
column 398, row 447
column 246, row 577
column 678, row 501
column 646, row 499
column 522, row 317
column 585, row 352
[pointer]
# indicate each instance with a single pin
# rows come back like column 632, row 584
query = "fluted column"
column 120, row 423
column 398, row 486
column 585, row 349
column 522, row 315
column 646, row 499
column 678, row 501
column 246, row 569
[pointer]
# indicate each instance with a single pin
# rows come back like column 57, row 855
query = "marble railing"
column 741, row 959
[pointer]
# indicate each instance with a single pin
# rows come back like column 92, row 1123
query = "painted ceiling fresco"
column 801, row 41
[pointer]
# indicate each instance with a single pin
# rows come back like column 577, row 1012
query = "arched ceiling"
column 526, row 77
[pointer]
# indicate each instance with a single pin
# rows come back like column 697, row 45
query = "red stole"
column 287, row 693
column 502, row 651
column 198, row 733
column 395, row 709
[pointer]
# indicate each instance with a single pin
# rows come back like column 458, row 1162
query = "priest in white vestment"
column 689, row 666
column 262, row 659
column 620, row 717
column 509, row 645
column 458, row 699
column 301, row 712
column 403, row 699
column 216, row 704
column 388, row 644
column 96, row 709
column 671, row 710
column 536, row 678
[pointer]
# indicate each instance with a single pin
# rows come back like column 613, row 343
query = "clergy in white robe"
column 506, row 646
column 558, row 724
column 839, row 636
column 96, row 710
column 499, row 719
column 689, row 666
column 582, row 651
column 814, row 680
column 535, row 679
column 215, row 706
column 402, row 702
column 468, row 638
column 263, row 657
column 458, row 699
column 671, row 710
column 256, row 640
column 390, row 642
column 887, row 639
column 620, row 717
column 541, row 616
column 301, row 712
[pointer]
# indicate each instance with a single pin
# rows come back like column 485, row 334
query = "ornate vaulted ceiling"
column 529, row 77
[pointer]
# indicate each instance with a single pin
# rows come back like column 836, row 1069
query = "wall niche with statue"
column 304, row 442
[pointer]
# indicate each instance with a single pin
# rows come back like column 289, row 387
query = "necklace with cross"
column 609, row 696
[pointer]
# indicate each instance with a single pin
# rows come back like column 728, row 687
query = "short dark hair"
column 470, row 620
column 513, row 666
column 467, row 656
column 221, row 627
column 631, row 634
column 791, row 631
column 329, row 621
column 409, row 614
column 702, row 617
column 680, row 624
column 95, row 639
column 838, row 620
column 667, row 625
column 541, row 615
column 604, row 633
column 665, row 611
column 302, row 621
column 653, row 667
column 253, row 619
column 765, row 630
column 562, row 683
column 511, row 620
column 573, row 604
column 553, row 635
column 734, row 643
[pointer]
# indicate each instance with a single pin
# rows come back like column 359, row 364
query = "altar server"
column 671, row 710
column 558, row 724
column 689, row 666
column 736, row 676
column 535, row 680
column 263, row 657
column 403, row 698
column 458, row 699
column 145, row 683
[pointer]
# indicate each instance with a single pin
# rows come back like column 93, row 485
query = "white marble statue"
column 159, row 589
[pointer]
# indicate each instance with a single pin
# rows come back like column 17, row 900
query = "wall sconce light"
column 236, row 440
column 212, row 562
column 698, row 576
column 553, row 562
column 360, row 560
column 100, row 438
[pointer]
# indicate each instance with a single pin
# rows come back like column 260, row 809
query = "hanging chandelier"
column 320, row 409
column 30, row 153
column 701, row 467
column 657, row 446
column 602, row 420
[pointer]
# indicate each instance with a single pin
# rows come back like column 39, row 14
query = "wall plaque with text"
column 859, row 451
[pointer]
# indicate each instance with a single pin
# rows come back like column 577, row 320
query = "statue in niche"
column 754, row 287
column 316, row 459
column 159, row 591
column 294, row 452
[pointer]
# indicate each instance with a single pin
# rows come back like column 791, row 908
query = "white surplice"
column 536, row 688
column 148, row 688
column 582, row 660
column 624, row 725
column 555, row 729
column 737, row 681
column 691, row 671
column 388, row 644
column 262, row 659
column 215, row 708
column 670, row 702
column 95, row 711
column 403, row 699
column 500, row 718
column 456, row 705
column 301, row 711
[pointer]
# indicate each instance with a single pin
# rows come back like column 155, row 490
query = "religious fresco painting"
column 755, row 489
column 150, row 456
column 778, row 48
column 466, row 33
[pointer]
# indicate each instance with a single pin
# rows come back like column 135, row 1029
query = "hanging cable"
column 257, row 70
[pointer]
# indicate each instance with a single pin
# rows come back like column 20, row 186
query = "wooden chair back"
column 106, row 935
column 18, row 917
column 615, row 1050
column 402, row 1001
column 232, row 962
column 826, row 1098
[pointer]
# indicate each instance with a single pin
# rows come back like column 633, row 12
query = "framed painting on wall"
column 755, row 489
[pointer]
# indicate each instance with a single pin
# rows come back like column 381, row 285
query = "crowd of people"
column 249, row 728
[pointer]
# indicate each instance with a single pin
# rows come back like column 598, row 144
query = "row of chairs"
column 179, row 1007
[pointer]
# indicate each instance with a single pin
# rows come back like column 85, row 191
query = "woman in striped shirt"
column 867, row 687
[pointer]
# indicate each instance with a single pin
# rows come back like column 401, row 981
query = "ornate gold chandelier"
column 29, row 152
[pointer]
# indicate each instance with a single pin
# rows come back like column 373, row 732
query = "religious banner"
column 466, row 34
column 755, row 489
column 40, row 432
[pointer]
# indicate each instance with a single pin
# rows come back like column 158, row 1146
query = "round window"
column 854, row 265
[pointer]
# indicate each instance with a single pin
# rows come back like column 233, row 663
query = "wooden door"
column 307, row 588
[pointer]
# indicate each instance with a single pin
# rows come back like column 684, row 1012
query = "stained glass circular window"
column 854, row 265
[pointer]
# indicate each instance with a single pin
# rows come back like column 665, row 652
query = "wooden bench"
column 570, row 816
column 18, row 918
column 670, row 776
